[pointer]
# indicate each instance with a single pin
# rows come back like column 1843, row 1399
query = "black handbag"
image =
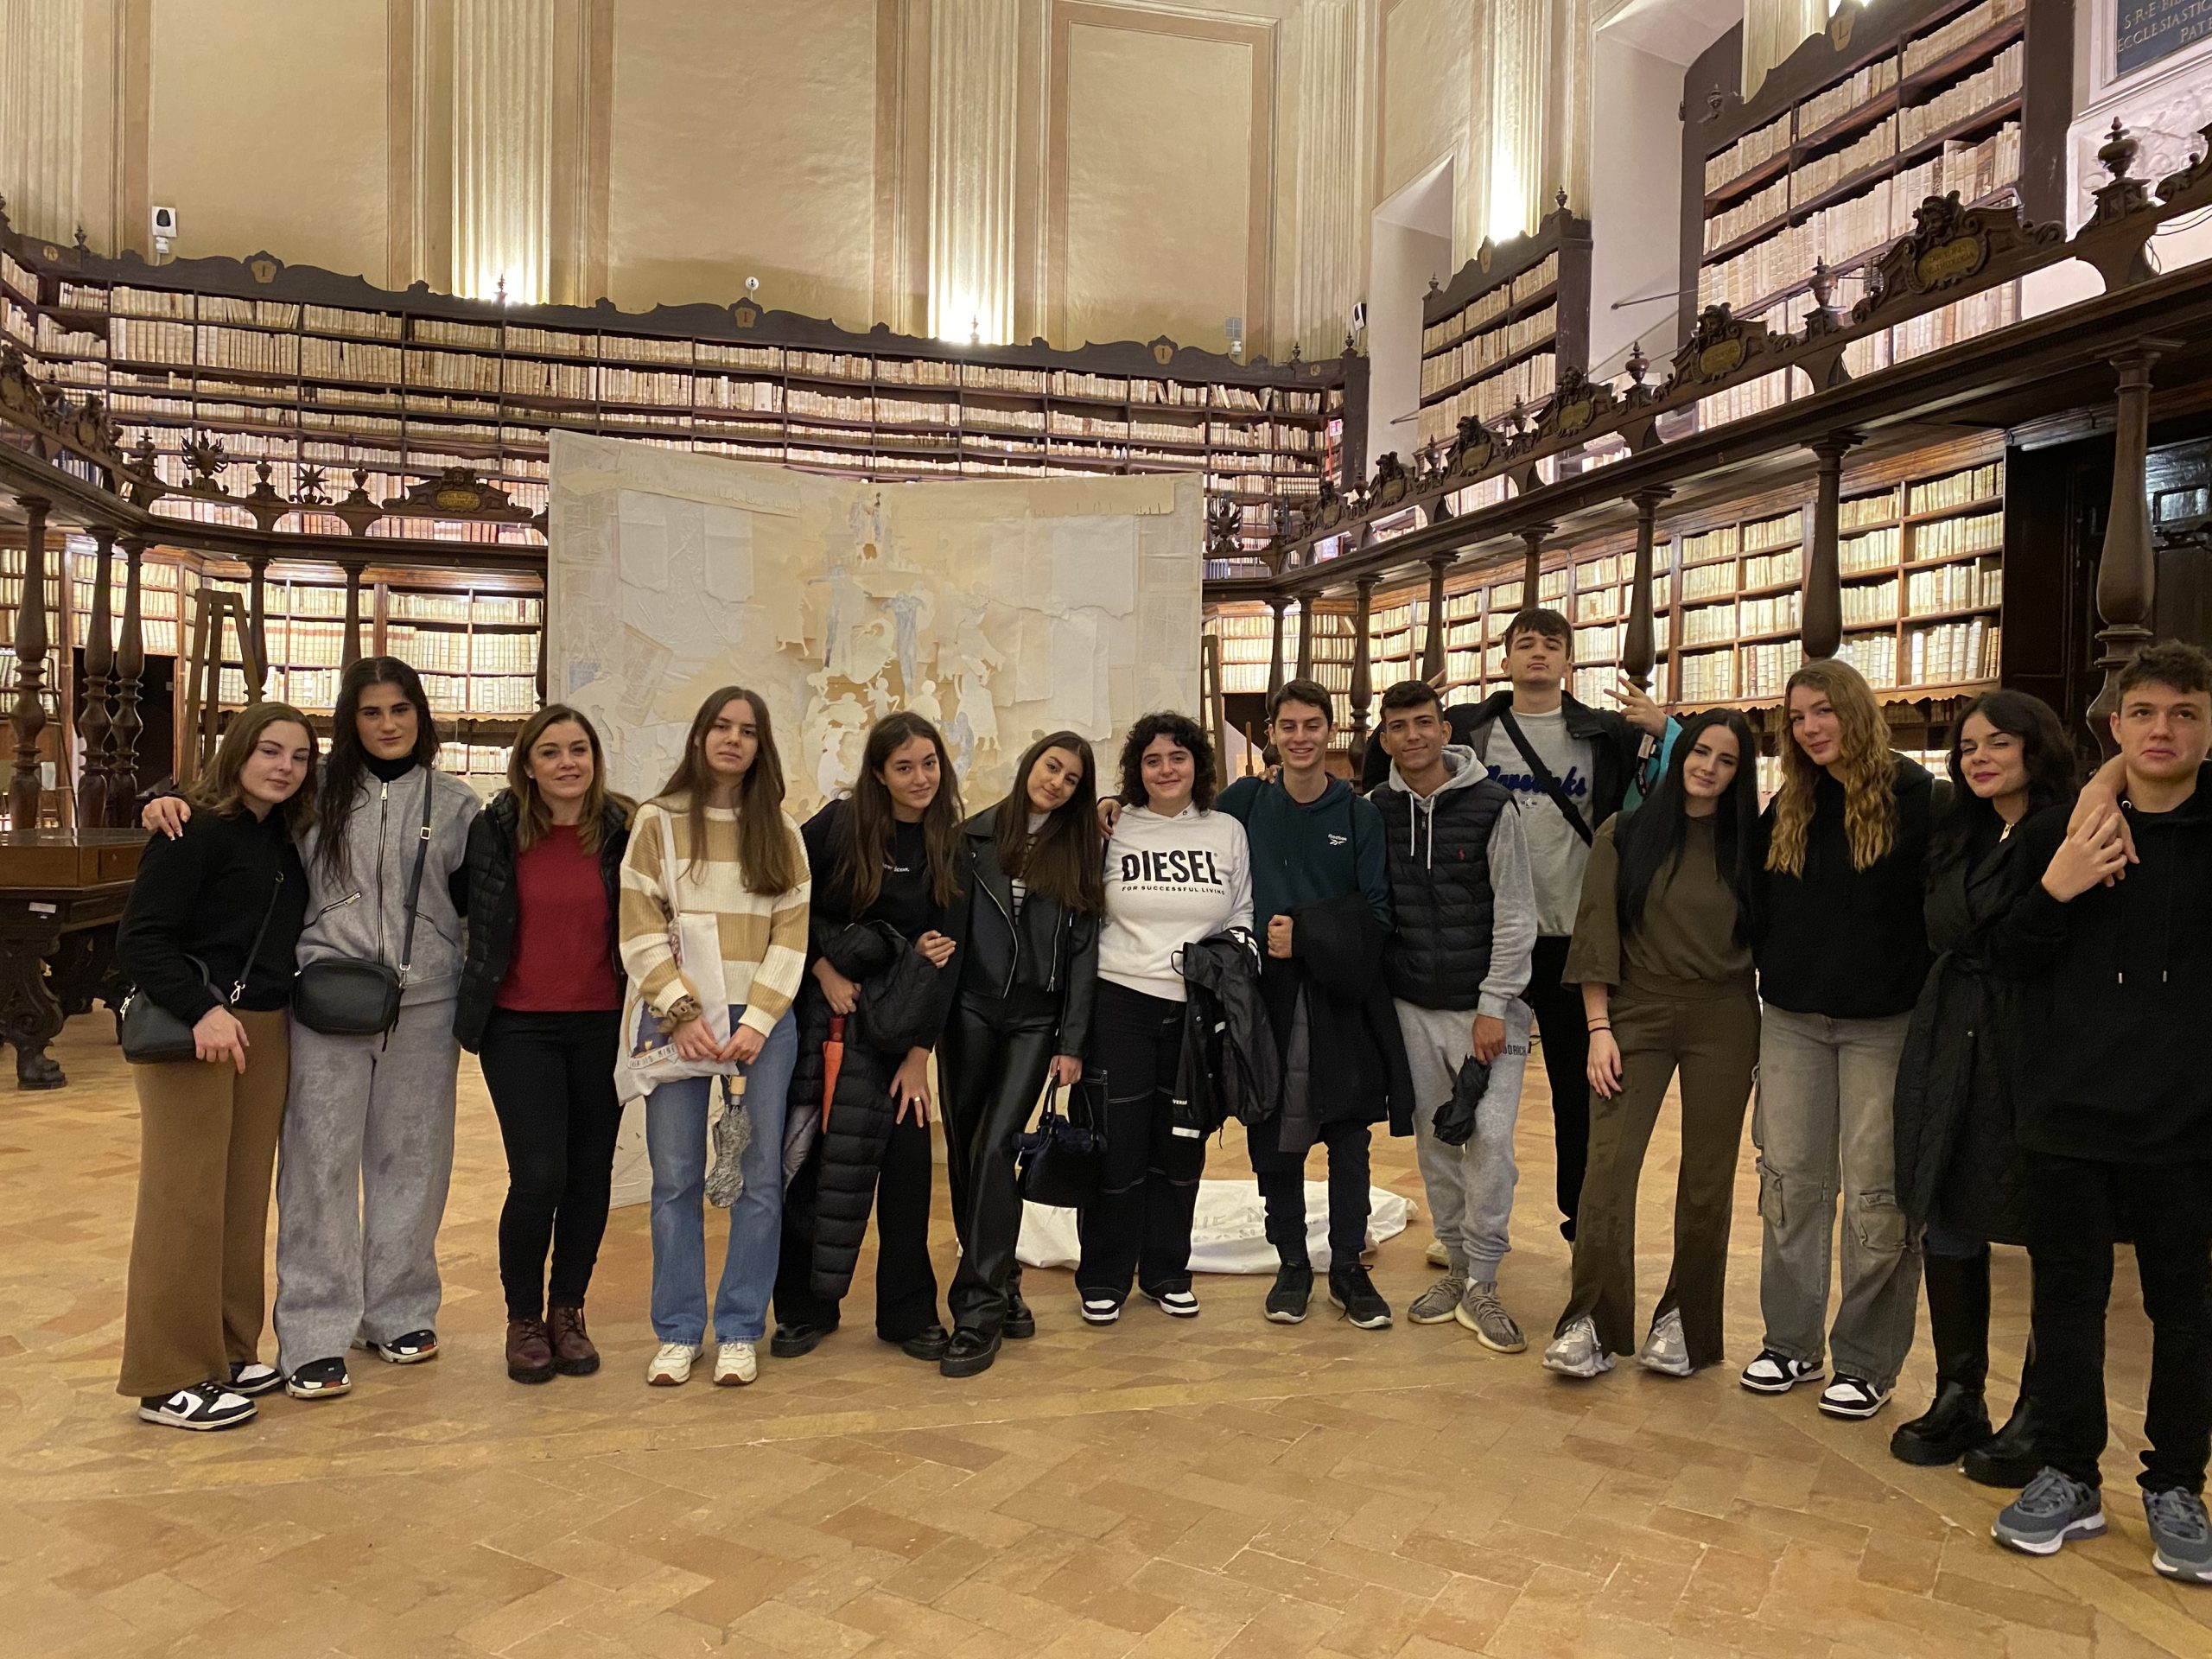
column 1060, row 1159
column 151, row 1035
column 346, row 996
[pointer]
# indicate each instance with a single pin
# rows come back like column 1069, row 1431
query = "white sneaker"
column 671, row 1365
column 1438, row 1255
column 203, row 1406
column 1576, row 1351
column 736, row 1365
column 1666, row 1350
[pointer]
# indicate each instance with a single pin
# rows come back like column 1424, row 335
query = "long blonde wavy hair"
column 1869, row 779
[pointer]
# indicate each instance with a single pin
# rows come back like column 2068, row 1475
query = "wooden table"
column 61, row 893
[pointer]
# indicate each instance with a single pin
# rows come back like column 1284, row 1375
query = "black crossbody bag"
column 346, row 996
column 151, row 1035
column 1542, row 774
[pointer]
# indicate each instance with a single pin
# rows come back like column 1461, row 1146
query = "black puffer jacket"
column 488, row 866
column 1958, row 1160
column 900, row 1009
column 1050, row 952
column 1440, row 900
column 1228, row 1066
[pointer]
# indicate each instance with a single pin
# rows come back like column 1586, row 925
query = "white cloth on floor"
column 1228, row 1235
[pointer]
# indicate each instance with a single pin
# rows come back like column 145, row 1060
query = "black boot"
column 1958, row 1321
column 2009, row 1458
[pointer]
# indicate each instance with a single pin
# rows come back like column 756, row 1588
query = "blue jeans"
column 675, row 1141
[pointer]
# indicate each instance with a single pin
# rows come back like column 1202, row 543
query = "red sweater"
column 562, row 962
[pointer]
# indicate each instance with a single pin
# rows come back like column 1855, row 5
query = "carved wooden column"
column 1306, row 638
column 1432, row 650
column 1820, row 621
column 129, row 681
column 28, row 716
column 2126, row 572
column 255, row 646
column 1532, row 569
column 94, row 723
column 352, row 654
column 1638, row 644
column 1277, row 605
column 1363, row 669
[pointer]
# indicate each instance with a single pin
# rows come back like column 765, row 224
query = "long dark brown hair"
column 870, row 823
column 2044, row 752
column 533, row 818
column 1065, row 859
column 1652, row 839
column 764, row 852
column 217, row 788
column 349, row 759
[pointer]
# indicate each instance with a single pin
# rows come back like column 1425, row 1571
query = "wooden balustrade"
column 130, row 686
column 1820, row 623
column 1432, row 650
column 1639, row 644
column 95, row 720
column 28, row 716
column 2127, row 571
column 1277, row 605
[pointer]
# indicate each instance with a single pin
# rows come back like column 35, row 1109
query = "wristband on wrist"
column 1606, row 1025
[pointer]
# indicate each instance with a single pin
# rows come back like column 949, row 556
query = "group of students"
column 1606, row 879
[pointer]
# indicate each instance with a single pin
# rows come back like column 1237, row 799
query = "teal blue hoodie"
column 1302, row 854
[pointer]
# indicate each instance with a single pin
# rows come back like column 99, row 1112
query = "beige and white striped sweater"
column 763, row 935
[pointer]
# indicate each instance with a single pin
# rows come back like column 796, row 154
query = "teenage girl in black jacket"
column 1029, row 967
column 541, row 1000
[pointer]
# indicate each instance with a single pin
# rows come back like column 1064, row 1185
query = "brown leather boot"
column 573, row 1353
column 530, row 1351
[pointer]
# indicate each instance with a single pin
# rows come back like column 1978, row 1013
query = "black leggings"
column 551, row 1078
column 993, row 1059
column 1566, row 1032
column 1148, row 1185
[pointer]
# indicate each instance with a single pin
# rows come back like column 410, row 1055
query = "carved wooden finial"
column 1637, row 365
column 2118, row 152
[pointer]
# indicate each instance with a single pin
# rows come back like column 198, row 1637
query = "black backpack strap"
column 1542, row 774
column 415, row 881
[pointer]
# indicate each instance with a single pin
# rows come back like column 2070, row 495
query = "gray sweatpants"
column 1471, row 1187
column 366, row 1156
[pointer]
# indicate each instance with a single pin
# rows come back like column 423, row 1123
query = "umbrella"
column 833, row 1062
column 733, row 1133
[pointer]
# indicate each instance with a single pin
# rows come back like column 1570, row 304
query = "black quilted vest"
column 1440, row 894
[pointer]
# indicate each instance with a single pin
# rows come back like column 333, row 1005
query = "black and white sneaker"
column 319, row 1379
column 251, row 1378
column 1853, row 1397
column 1294, row 1288
column 1352, row 1290
column 203, row 1406
column 1100, row 1309
column 1773, row 1373
column 413, row 1349
column 1175, row 1300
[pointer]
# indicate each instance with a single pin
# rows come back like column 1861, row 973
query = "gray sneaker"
column 1436, row 1304
column 2055, row 1509
column 2180, row 1534
column 1666, row 1350
column 1576, row 1351
column 1481, row 1311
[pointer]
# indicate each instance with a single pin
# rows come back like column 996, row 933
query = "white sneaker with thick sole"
column 1666, row 1350
column 671, row 1365
column 1773, row 1373
column 1853, row 1397
column 736, row 1365
column 1576, row 1351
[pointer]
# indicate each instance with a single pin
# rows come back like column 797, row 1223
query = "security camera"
column 164, row 226
column 1358, row 318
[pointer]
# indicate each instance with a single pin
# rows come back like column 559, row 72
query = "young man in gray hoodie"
column 1465, row 908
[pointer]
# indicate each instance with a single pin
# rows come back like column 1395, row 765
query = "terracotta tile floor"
column 1220, row 1487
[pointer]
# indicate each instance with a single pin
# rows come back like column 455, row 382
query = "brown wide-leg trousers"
column 207, row 1144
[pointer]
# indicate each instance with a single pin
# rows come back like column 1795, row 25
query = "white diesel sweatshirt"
column 1169, row 883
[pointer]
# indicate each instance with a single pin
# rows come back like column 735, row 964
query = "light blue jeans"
column 675, row 1141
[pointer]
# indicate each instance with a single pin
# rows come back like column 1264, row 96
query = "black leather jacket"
column 1052, row 952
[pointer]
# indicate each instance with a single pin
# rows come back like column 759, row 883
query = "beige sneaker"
column 671, row 1365
column 1438, row 1255
column 736, row 1365
column 1481, row 1311
column 1439, row 1302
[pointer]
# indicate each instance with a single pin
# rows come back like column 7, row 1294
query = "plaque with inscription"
column 2147, row 30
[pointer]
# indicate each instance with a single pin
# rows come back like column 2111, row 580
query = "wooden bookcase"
column 1921, row 553
column 293, row 368
column 1500, row 331
column 1831, row 160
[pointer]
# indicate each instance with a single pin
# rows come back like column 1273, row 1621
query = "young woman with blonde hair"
column 1842, row 954
column 541, row 1000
